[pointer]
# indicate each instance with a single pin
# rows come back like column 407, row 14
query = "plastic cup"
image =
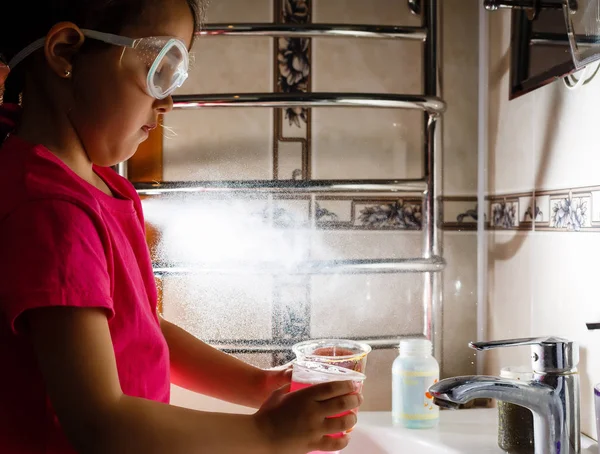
column 338, row 352
column 307, row 373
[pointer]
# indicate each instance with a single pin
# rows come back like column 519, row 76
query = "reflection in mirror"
column 583, row 28
column 550, row 39
column 540, row 51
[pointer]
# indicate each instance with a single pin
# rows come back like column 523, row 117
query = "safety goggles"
column 166, row 58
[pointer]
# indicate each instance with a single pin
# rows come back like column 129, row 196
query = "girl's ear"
column 63, row 41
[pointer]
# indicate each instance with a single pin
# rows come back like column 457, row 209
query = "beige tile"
column 289, row 161
column 566, row 153
column 336, row 245
column 262, row 360
column 370, row 66
column 460, row 303
column 460, row 91
column 378, row 385
column 223, row 11
column 381, row 12
column 366, row 143
column 565, row 299
column 227, row 144
column 218, row 144
column 366, row 305
column 460, row 211
column 510, row 258
column 220, row 307
column 511, row 123
column 229, row 64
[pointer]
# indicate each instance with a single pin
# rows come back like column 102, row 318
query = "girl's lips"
column 148, row 128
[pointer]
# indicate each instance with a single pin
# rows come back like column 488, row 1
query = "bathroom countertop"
column 461, row 431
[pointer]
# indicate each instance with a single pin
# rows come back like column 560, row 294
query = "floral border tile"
column 293, row 59
column 570, row 212
column 292, row 74
column 542, row 210
column 332, row 212
column 504, row 213
column 460, row 213
column 526, row 209
column 399, row 214
column 562, row 210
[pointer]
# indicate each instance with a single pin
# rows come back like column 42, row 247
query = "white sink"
column 459, row 432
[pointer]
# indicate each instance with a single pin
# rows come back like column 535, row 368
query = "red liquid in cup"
column 355, row 361
column 333, row 351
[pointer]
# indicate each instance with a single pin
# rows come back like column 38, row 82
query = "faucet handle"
column 482, row 346
column 548, row 354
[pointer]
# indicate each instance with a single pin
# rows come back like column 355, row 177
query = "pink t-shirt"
column 63, row 242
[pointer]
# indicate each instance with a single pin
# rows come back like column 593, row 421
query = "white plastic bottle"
column 413, row 372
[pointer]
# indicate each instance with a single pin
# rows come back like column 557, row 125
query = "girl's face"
column 111, row 111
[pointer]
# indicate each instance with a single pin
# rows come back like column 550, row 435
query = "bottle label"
column 411, row 399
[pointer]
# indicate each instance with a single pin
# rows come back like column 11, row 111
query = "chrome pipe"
column 121, row 169
column 432, row 163
column 268, row 346
column 494, row 5
column 429, row 104
column 557, row 39
column 350, row 266
column 315, row 31
column 282, row 186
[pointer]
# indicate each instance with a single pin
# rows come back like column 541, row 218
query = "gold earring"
column 67, row 73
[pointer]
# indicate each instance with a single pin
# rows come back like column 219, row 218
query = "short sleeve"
column 51, row 255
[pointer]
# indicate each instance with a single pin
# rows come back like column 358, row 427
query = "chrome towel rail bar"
column 316, row 31
column 349, row 266
column 268, row 346
column 430, row 104
column 283, row 186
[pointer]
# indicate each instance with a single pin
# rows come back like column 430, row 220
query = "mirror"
column 545, row 46
column 540, row 51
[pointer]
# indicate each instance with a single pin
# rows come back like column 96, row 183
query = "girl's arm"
column 76, row 358
column 201, row 368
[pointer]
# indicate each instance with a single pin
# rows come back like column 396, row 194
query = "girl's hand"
column 275, row 378
column 298, row 422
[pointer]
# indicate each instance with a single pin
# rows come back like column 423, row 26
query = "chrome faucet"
column 552, row 395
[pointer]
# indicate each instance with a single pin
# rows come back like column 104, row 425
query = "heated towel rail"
column 431, row 262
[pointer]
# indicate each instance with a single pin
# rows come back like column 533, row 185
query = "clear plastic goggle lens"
column 167, row 60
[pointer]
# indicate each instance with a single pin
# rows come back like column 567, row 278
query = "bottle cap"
column 415, row 347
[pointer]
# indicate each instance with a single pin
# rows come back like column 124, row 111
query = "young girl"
column 87, row 362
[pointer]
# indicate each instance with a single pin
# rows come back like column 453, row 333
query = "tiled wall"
column 325, row 143
column 543, row 159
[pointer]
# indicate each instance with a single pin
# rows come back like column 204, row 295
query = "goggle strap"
column 26, row 52
column 109, row 38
